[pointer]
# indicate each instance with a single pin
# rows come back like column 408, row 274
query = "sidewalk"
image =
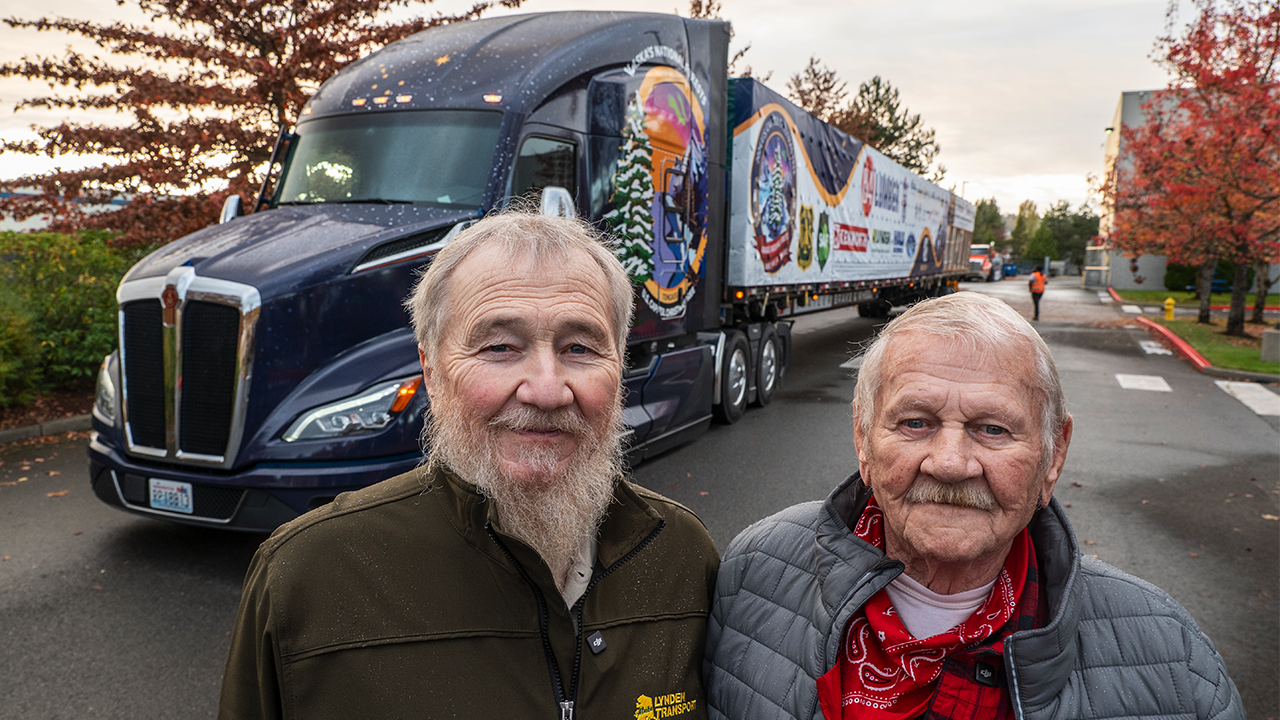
column 1065, row 302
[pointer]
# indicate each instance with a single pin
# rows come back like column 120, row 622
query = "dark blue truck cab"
column 266, row 364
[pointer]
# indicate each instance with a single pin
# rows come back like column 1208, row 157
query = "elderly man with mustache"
column 515, row 574
column 942, row 581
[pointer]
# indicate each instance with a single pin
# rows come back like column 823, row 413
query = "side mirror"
column 232, row 208
column 557, row 202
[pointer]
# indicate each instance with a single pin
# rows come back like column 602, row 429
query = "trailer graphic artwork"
column 660, row 191
column 773, row 192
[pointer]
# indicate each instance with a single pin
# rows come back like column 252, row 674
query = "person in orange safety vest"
column 1037, row 288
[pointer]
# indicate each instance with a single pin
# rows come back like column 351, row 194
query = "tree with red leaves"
column 1200, row 179
column 207, row 99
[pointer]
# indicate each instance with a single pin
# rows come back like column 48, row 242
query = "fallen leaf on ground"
column 1271, row 517
column 1076, row 484
column 97, row 587
column 1090, row 542
column 60, row 493
column 1144, row 502
column 54, row 472
column 22, row 479
column 704, row 492
column 6, row 558
column 7, row 482
column 1195, row 554
column 78, row 532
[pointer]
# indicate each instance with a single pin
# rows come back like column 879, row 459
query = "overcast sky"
column 1019, row 91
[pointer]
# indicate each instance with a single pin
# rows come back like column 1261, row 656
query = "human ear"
column 1059, row 459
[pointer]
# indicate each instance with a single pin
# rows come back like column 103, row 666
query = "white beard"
column 560, row 513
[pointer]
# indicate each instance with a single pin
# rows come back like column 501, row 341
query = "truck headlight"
column 104, row 401
column 369, row 411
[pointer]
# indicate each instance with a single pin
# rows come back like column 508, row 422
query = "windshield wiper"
column 372, row 201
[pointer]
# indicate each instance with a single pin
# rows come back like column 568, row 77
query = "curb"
column 1116, row 297
column 78, row 423
column 1187, row 351
column 1199, row 360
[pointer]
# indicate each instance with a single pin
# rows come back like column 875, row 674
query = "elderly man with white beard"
column 516, row 573
column 942, row 581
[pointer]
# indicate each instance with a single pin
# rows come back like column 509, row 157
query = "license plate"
column 171, row 495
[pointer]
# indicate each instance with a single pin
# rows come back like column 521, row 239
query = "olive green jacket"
column 406, row 600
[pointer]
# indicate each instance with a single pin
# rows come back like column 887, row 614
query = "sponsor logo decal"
column 899, row 241
column 868, row 186
column 881, row 240
column 850, row 238
column 804, row 250
column 824, row 240
column 664, row 706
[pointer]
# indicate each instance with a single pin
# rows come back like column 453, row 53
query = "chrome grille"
column 186, row 346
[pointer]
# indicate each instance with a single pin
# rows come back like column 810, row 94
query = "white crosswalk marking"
column 1255, row 397
column 1104, row 297
column 1151, row 347
column 1154, row 383
column 1131, row 309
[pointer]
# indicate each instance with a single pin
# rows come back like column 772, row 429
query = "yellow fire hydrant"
column 1168, row 308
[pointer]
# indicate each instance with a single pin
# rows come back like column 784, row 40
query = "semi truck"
column 266, row 364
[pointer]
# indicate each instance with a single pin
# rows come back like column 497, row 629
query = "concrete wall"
column 1150, row 271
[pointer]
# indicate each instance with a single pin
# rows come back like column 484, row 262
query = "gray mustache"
column 961, row 495
column 529, row 418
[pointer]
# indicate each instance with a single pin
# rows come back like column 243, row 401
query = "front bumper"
column 259, row 498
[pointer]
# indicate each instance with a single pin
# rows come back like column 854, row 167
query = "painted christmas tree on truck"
column 632, row 216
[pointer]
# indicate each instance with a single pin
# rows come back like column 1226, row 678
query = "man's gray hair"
column 981, row 323
column 517, row 233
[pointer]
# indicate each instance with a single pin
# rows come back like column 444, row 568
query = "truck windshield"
column 429, row 157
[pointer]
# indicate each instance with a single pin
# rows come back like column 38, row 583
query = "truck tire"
column 735, row 369
column 768, row 365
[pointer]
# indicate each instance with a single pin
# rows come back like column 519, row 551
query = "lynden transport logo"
column 663, row 706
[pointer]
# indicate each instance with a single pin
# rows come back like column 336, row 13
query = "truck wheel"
column 882, row 308
column 768, row 366
column 735, row 369
column 864, row 310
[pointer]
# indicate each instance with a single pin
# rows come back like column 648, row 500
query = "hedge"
column 57, row 310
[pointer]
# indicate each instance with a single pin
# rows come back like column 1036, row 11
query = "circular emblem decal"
column 773, row 192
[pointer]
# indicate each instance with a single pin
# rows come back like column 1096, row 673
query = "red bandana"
column 885, row 673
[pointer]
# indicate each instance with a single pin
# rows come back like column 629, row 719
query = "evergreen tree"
column 632, row 216
column 775, row 213
column 1024, row 229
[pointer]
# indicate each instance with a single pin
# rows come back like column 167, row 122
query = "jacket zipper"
column 557, row 686
column 566, row 705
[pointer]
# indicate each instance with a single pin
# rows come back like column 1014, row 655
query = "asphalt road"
column 108, row 615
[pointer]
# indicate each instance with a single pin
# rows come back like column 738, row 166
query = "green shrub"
column 66, row 285
column 19, row 353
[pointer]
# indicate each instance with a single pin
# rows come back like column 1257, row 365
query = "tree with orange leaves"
column 1200, row 179
column 206, row 101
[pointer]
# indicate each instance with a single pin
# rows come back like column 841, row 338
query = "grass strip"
column 1225, row 351
column 1189, row 299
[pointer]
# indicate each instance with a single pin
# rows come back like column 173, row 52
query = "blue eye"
column 993, row 430
column 499, row 348
column 914, row 423
column 577, row 349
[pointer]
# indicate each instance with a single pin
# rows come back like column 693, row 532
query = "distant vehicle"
column 984, row 264
column 266, row 364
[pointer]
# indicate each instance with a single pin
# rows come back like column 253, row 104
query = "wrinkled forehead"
column 1010, row 358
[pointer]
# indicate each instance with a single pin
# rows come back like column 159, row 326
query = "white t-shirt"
column 926, row 613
